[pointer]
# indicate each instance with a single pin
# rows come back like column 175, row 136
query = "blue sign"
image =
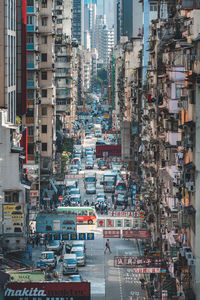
column 69, row 236
column 82, row 236
column 55, row 223
column 90, row 236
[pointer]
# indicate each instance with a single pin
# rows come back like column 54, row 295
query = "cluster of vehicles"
column 74, row 256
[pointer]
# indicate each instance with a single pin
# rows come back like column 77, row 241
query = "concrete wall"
column 2, row 80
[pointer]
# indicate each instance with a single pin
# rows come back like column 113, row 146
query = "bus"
column 84, row 214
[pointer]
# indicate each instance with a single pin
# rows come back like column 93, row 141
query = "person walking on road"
column 107, row 246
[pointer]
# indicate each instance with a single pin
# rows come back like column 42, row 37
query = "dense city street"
column 99, row 149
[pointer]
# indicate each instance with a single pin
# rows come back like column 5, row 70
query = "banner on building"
column 53, row 290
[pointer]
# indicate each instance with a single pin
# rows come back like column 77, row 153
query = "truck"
column 109, row 183
column 97, row 130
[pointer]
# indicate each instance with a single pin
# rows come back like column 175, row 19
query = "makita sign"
column 44, row 290
column 24, row 292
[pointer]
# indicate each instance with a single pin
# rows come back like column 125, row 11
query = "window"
column 44, row 128
column 44, row 111
column 59, row 31
column 30, row 38
column 44, row 146
column 30, row 76
column 30, row 148
column 68, row 101
column 44, row 75
column 59, row 21
column 11, row 196
column 30, row 112
column 30, row 57
column 44, row 3
column 44, row 39
column 44, row 93
column 44, row 56
column 153, row 7
column 29, row 2
column 178, row 90
column 30, row 20
column 44, row 21
column 30, row 131
column 30, row 94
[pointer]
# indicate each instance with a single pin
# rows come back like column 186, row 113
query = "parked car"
column 55, row 246
column 79, row 244
column 121, row 199
column 75, row 278
column 89, row 164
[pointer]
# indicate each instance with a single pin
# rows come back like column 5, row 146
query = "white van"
column 70, row 264
column 48, row 258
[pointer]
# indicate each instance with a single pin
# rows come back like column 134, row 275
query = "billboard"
column 55, row 223
column 135, row 261
column 27, row 276
column 135, row 234
column 42, row 290
column 111, row 233
column 13, row 218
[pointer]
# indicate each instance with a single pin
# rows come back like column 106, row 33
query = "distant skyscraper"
column 89, row 21
column 131, row 17
column 106, row 7
column 117, row 19
column 78, row 21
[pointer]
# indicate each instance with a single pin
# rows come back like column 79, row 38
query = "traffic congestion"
column 94, row 188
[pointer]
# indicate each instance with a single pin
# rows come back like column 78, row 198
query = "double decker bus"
column 83, row 214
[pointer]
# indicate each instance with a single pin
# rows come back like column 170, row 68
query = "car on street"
column 91, row 189
column 89, row 164
column 101, row 197
column 73, row 172
column 55, row 246
column 70, row 265
column 80, row 255
column 47, row 258
column 76, row 278
column 79, row 243
column 75, row 200
column 74, row 192
column 121, row 199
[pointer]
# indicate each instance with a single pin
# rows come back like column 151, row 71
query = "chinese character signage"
column 147, row 270
column 135, row 234
column 134, row 261
column 120, row 213
column 111, row 233
column 69, row 236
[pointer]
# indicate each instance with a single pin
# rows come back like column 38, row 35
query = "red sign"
column 34, row 193
column 112, row 150
column 60, row 290
column 146, row 270
column 120, row 213
column 111, row 233
column 60, row 198
column 135, row 234
column 134, row 261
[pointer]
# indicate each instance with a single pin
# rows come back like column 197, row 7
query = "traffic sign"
column 90, row 236
column 101, row 223
column 60, row 198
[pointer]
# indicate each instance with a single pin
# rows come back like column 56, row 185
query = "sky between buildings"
column 109, row 10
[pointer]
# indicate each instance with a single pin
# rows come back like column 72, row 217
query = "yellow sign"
column 106, row 116
column 13, row 218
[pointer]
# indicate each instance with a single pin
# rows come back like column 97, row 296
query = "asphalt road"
column 107, row 282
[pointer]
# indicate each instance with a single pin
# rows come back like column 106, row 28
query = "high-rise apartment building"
column 13, row 183
column 131, row 18
column 89, row 22
column 78, row 21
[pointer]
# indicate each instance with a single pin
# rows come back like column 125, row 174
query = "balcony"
column 30, row 9
column 30, row 28
column 30, row 65
column 30, row 47
column 30, row 84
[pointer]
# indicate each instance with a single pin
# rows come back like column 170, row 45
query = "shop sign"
column 27, row 276
column 55, row 223
column 60, row 290
column 13, row 216
column 111, row 233
column 134, row 261
column 69, row 236
column 120, row 213
column 34, row 193
column 135, row 234
column 79, row 176
column 147, row 270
